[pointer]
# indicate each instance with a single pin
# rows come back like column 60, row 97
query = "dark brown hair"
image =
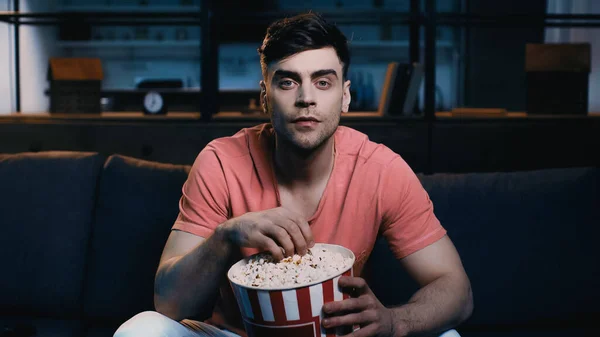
column 308, row 31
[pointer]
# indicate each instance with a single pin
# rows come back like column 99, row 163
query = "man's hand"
column 277, row 230
column 363, row 309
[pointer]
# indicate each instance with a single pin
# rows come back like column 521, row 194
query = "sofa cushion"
column 137, row 206
column 527, row 241
column 40, row 327
column 530, row 332
column 47, row 203
column 102, row 330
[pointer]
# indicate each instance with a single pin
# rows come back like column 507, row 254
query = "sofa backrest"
column 136, row 207
column 46, row 207
column 528, row 241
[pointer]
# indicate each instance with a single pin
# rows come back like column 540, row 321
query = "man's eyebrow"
column 323, row 72
column 287, row 73
column 295, row 76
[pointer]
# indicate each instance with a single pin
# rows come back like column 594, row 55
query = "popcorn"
column 262, row 271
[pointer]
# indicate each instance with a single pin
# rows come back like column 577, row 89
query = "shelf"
column 260, row 115
column 129, row 44
column 131, row 9
column 239, row 117
column 354, row 45
column 387, row 49
column 393, row 44
column 122, row 116
column 511, row 115
column 182, row 91
column 365, row 51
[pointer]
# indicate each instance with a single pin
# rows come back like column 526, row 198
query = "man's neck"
column 294, row 168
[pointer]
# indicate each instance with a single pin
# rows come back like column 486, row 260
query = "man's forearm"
column 437, row 307
column 188, row 286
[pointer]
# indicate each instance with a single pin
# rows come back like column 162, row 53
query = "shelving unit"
column 389, row 49
column 116, row 8
column 129, row 44
column 210, row 19
column 206, row 16
column 439, row 135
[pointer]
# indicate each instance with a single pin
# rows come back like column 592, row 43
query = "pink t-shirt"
column 371, row 191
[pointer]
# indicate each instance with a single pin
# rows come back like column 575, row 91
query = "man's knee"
column 150, row 324
column 450, row 333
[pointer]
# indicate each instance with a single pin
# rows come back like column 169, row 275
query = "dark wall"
column 179, row 143
column 510, row 145
column 475, row 145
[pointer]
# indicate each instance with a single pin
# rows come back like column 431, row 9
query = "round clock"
column 154, row 103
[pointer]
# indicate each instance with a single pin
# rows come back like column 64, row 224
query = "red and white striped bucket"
column 292, row 311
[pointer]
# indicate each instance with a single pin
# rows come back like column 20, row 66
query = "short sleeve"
column 409, row 223
column 204, row 202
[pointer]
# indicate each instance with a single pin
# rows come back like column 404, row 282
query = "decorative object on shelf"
column 75, row 85
column 154, row 103
column 107, row 104
column 253, row 105
column 144, row 2
column 359, row 101
column 369, row 93
column 186, row 2
column 400, row 88
column 558, row 78
column 160, row 36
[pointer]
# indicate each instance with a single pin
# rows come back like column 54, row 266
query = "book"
column 400, row 88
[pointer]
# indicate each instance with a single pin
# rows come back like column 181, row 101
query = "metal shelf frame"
column 212, row 20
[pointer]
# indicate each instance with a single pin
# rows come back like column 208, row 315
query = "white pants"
column 153, row 324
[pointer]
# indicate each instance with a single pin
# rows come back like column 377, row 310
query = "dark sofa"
column 81, row 235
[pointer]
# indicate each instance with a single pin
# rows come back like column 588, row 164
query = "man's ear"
column 346, row 97
column 263, row 96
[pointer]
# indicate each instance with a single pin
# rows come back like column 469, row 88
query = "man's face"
column 305, row 95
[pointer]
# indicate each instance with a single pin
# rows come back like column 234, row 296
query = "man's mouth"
column 305, row 119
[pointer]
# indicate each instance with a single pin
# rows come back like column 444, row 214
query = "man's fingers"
column 306, row 231
column 266, row 243
column 355, row 286
column 347, row 305
column 281, row 236
column 302, row 225
column 358, row 318
column 295, row 234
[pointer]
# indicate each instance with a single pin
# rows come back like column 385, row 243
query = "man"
column 282, row 186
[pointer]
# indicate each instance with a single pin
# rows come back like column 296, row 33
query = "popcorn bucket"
column 290, row 311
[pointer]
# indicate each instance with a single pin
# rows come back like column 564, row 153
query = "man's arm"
column 444, row 299
column 189, row 274
column 192, row 268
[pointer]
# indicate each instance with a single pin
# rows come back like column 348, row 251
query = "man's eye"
column 323, row 84
column 286, row 83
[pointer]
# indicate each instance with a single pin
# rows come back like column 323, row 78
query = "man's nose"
column 306, row 95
